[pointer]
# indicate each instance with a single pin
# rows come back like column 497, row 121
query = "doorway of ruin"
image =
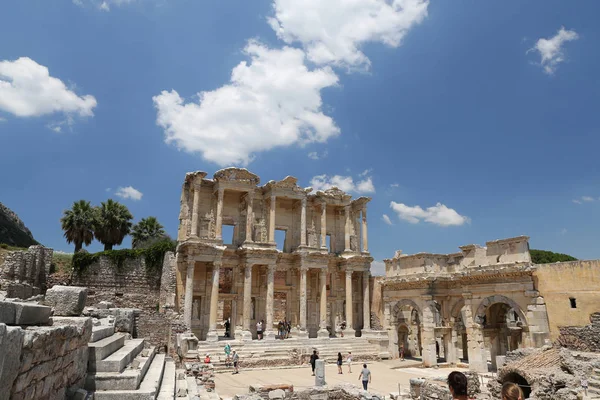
column 514, row 377
column 407, row 317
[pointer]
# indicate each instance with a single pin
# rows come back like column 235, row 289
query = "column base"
column 302, row 334
column 349, row 332
column 269, row 335
column 212, row 336
column 245, row 336
column 323, row 334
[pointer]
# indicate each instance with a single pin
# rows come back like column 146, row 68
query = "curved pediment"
column 233, row 174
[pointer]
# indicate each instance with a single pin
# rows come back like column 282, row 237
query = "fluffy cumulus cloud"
column 333, row 31
column 345, row 183
column 272, row 101
column 551, row 49
column 385, row 218
column 129, row 192
column 378, row 268
column 438, row 214
column 28, row 90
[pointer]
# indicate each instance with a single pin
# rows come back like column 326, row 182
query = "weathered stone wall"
column 560, row 282
column 23, row 273
column 52, row 359
column 131, row 285
column 582, row 338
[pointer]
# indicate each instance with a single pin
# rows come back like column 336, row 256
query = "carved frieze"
column 233, row 174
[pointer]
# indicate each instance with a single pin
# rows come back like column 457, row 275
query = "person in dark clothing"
column 340, row 360
column 313, row 360
column 227, row 328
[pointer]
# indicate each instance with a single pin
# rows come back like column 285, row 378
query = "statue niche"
column 207, row 226
column 313, row 240
column 260, row 230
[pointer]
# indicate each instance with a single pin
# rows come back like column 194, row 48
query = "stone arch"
column 402, row 303
column 491, row 300
column 457, row 308
column 410, row 325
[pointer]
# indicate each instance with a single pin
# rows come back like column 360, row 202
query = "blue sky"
column 487, row 108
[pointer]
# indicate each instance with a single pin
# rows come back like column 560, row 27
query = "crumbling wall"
column 582, row 338
column 132, row 285
column 23, row 273
column 52, row 360
column 436, row 389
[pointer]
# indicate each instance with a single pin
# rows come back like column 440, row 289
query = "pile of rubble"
column 437, row 388
column 286, row 392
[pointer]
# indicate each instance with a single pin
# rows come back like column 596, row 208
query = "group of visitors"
column 284, row 328
column 231, row 358
column 340, row 361
column 457, row 383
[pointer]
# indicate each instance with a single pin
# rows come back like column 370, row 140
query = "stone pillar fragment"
column 195, row 210
column 272, row 205
column 365, row 240
column 247, row 333
column 212, row 335
column 303, row 271
column 219, row 218
column 320, row 373
column 324, row 225
column 475, row 343
column 366, row 301
column 323, row 332
column 303, row 222
column 249, row 216
column 189, row 294
column 428, row 340
column 349, row 305
column 269, row 333
column 347, row 227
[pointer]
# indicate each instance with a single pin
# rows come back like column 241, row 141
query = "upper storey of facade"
column 233, row 210
column 497, row 253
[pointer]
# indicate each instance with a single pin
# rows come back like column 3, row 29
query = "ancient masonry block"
column 66, row 300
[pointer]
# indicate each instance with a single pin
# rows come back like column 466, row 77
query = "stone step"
column 148, row 388
column 129, row 379
column 192, row 387
column 118, row 360
column 167, row 387
column 105, row 347
column 100, row 332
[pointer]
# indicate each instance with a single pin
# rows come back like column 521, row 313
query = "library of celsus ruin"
column 229, row 266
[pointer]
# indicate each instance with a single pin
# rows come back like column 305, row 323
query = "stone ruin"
column 23, row 274
column 287, row 392
column 434, row 389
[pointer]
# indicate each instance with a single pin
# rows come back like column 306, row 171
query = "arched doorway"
column 513, row 377
column 407, row 319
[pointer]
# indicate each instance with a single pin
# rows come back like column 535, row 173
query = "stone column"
column 323, row 332
column 324, row 225
column 366, row 302
column 349, row 308
column 450, row 339
column 365, row 240
column 247, row 329
column 303, row 332
column 195, row 207
column 219, row 218
column 428, row 339
column 249, row 216
column 347, row 227
column 189, row 294
column 303, row 222
column 269, row 333
column 272, row 205
column 212, row 335
column 475, row 343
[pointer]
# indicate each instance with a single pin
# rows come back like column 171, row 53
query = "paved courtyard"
column 385, row 378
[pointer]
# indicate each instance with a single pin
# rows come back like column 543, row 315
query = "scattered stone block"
column 320, row 373
column 66, row 300
column 11, row 341
column 104, row 305
column 276, row 394
column 124, row 320
column 12, row 313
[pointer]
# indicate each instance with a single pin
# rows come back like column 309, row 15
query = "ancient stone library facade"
column 229, row 266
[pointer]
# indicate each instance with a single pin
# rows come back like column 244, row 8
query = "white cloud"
column 103, row 5
column 129, row 192
column 366, row 172
column 576, row 201
column 584, row 199
column 378, row 268
column 272, row 101
column 28, row 90
column 551, row 50
column 313, row 155
column 333, row 31
column 344, row 183
column 386, row 219
column 438, row 214
column 587, row 198
column 394, row 185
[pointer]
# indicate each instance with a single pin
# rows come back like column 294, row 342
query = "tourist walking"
column 339, row 363
column 313, row 360
column 365, row 374
column 259, row 330
column 227, row 350
column 236, row 363
column 401, row 352
column 280, row 329
column 349, row 362
column 457, row 383
column 227, row 328
column 584, row 385
column 288, row 328
column 512, row 391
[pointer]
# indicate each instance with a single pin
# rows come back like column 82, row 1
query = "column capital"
column 467, row 295
column 349, row 271
column 217, row 264
column 220, row 190
column 303, row 268
column 271, row 267
column 323, row 271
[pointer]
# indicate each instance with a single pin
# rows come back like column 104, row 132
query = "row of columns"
column 247, row 306
column 272, row 206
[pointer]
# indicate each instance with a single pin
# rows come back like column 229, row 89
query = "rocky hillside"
column 12, row 230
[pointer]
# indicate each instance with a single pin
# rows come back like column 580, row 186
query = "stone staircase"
column 127, row 369
column 594, row 384
column 263, row 353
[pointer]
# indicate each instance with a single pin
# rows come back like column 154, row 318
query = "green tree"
column 78, row 224
column 148, row 230
column 546, row 257
column 113, row 223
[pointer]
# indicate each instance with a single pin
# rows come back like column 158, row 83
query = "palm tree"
column 78, row 224
column 113, row 223
column 147, row 229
